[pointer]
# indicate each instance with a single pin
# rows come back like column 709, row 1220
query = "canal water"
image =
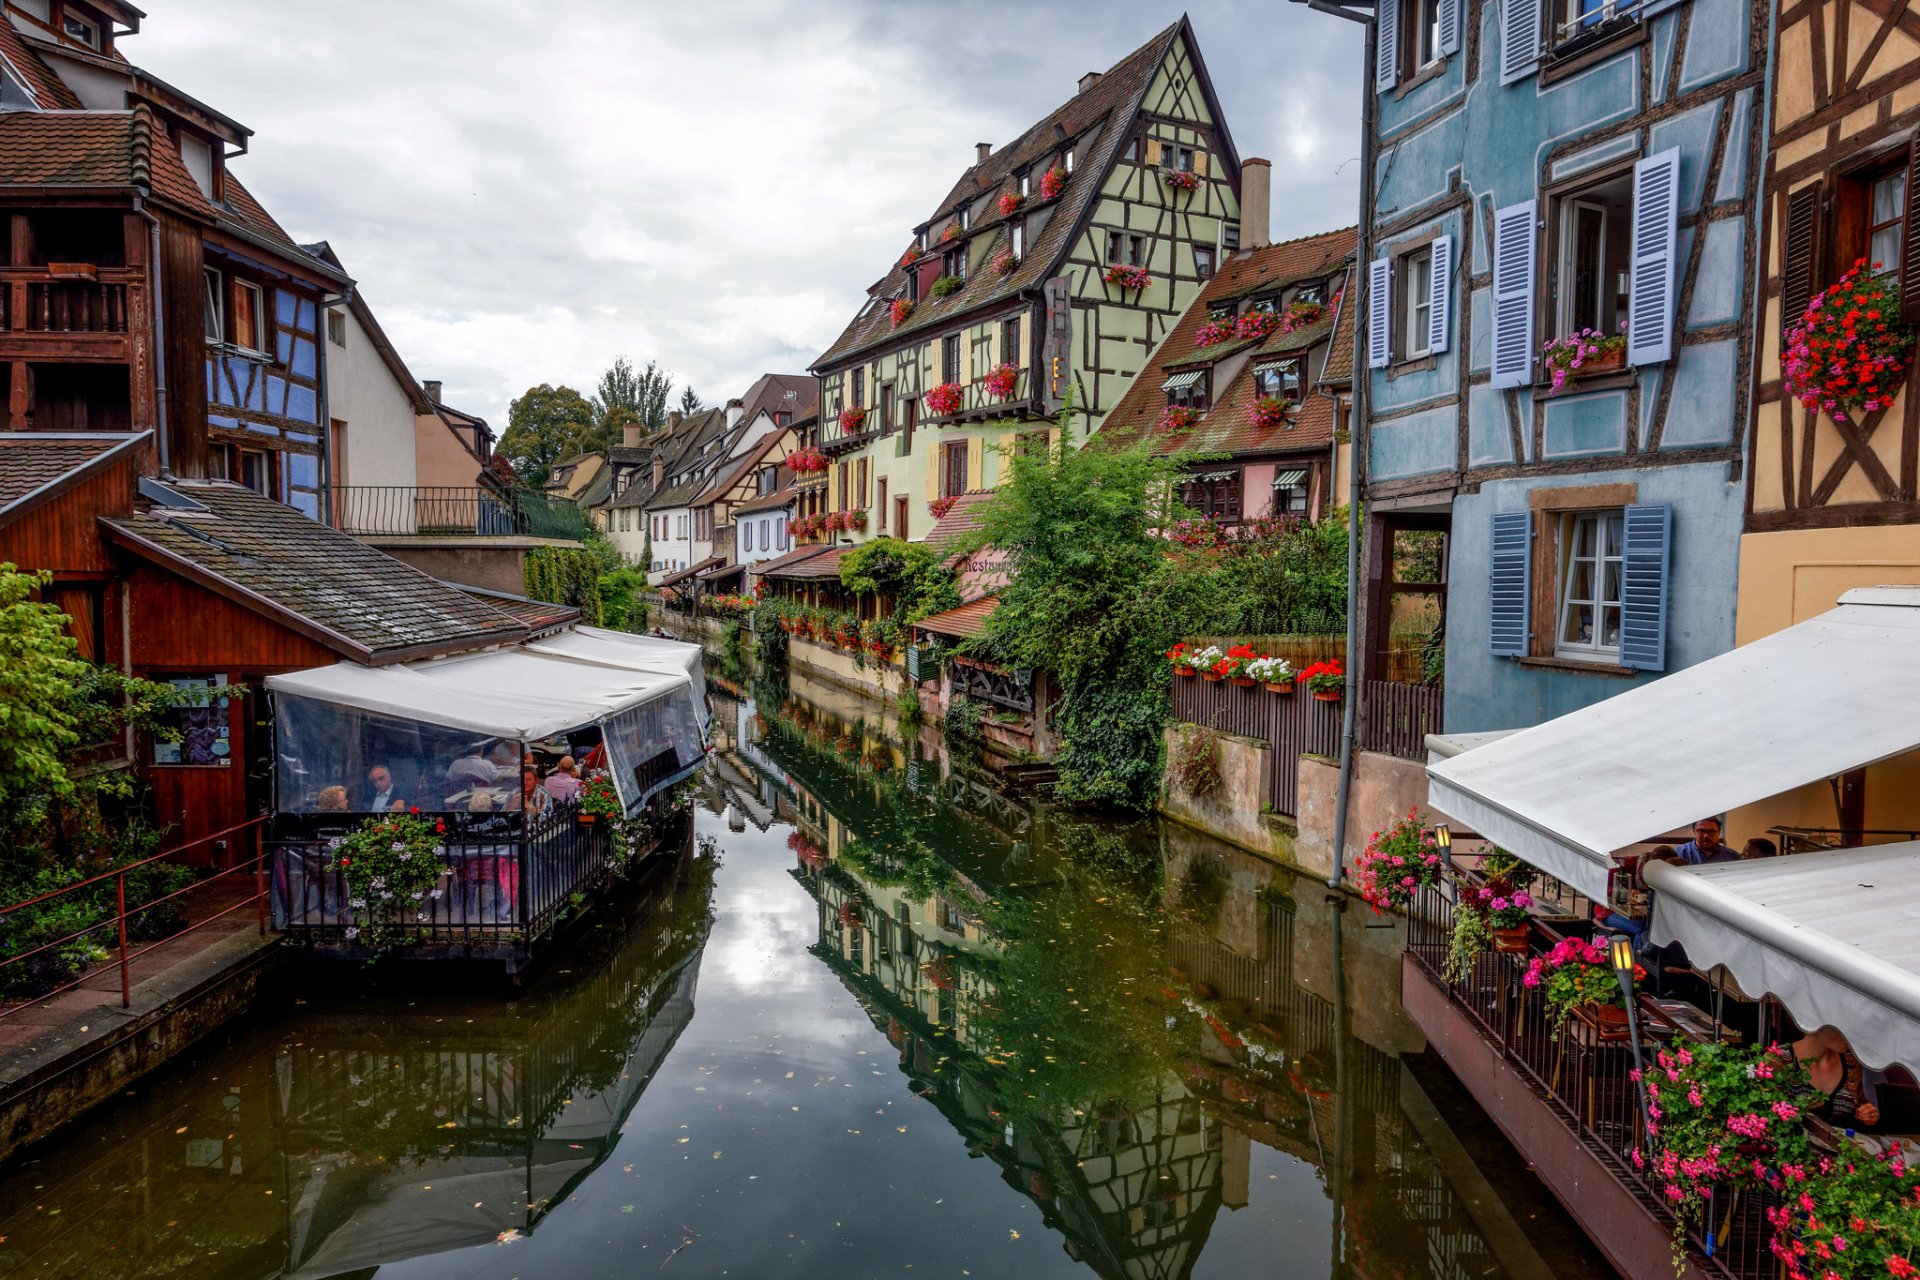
column 882, row 1014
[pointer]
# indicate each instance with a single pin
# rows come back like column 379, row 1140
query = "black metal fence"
column 405, row 510
column 1293, row 724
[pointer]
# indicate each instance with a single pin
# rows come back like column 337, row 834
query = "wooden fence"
column 1293, row 724
column 1396, row 718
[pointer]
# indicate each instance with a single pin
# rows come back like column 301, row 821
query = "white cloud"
column 527, row 188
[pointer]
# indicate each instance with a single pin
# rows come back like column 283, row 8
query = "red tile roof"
column 50, row 93
column 824, row 565
column 781, row 563
column 968, row 620
column 962, row 518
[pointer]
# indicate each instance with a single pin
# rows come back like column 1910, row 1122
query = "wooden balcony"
column 74, row 312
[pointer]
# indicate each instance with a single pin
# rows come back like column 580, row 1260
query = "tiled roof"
column 682, row 575
column 36, row 466
column 769, row 393
column 362, row 603
column 824, row 565
column 50, row 93
column 962, row 518
column 251, row 214
column 539, row 617
column 1106, row 104
column 1226, row 426
column 1337, row 370
column 772, row 502
column 741, row 465
column 968, row 620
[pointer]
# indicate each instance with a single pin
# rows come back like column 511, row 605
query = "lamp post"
column 1443, row 840
column 1621, row 951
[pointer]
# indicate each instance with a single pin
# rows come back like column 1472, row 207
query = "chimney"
column 673, row 419
column 1256, row 203
column 631, row 432
column 659, row 470
column 735, row 408
column 981, row 150
column 1089, row 80
column 433, row 391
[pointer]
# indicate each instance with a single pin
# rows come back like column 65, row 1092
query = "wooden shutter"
column 1519, row 39
column 1656, row 208
column 1153, row 152
column 1439, row 294
column 1386, row 48
column 1801, row 242
column 1200, row 164
column 1510, row 584
column 1450, row 18
column 1379, row 313
column 976, row 464
column 1644, row 563
column 1910, row 241
column 1513, row 253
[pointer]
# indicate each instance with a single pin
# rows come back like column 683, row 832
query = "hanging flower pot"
column 1006, row 263
column 1001, row 381
column 1268, row 412
column 1256, row 324
column 1128, row 277
column 1326, row 680
column 1326, row 695
column 1849, row 349
column 944, row 399
column 1053, row 182
column 1010, row 202
column 851, row 421
column 1212, row 677
column 1245, row 682
column 1512, row 941
column 1279, row 687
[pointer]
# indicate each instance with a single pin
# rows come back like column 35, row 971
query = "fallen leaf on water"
column 626, row 1208
column 181, row 1129
column 1012, row 1235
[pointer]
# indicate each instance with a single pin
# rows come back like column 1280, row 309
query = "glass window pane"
column 1884, row 251
column 1889, row 197
column 1579, row 625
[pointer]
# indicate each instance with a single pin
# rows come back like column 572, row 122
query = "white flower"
column 336, row 842
column 434, row 893
column 406, row 857
column 399, row 846
column 421, row 916
column 356, row 902
column 352, row 933
column 439, row 851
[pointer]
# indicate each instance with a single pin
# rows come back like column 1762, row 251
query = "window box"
column 947, row 286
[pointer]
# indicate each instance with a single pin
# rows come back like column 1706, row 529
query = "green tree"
column 690, row 402
column 546, row 424
column 628, row 395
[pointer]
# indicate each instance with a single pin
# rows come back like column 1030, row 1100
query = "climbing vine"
column 566, row 575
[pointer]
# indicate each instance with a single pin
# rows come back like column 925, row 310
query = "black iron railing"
column 407, row 510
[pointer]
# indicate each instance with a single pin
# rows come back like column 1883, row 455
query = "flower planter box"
column 1326, row 695
column 1287, row 687
column 1606, row 362
column 1211, row 678
column 588, row 819
column 1245, row 682
column 1185, row 673
column 1511, row 941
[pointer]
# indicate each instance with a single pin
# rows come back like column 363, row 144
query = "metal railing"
column 1396, row 718
column 1581, row 1070
column 114, row 923
column 407, row 510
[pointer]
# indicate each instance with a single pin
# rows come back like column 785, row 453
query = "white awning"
column 1828, row 934
column 1273, row 366
column 1179, row 380
column 1289, row 479
column 636, row 653
column 1832, row 694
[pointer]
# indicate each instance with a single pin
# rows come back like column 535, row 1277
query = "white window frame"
column 1564, row 321
column 1018, row 237
column 1416, row 290
column 337, row 328
column 214, row 307
column 1568, row 563
column 255, row 342
column 1426, row 34
column 1024, row 183
column 78, row 28
column 962, row 217
column 1066, row 159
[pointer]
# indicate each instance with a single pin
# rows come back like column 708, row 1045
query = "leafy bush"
column 769, row 638
column 963, row 720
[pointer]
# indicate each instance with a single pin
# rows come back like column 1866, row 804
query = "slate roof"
column 746, row 462
column 1092, row 119
column 539, row 617
column 769, row 393
column 362, row 603
column 36, row 466
column 969, row 619
column 1226, row 426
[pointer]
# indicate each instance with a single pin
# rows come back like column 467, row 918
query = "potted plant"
column 1128, row 277
column 600, row 801
column 835, row 522
column 949, row 231
column 911, row 256
column 1302, row 313
column 1485, row 913
column 854, row 521
column 1275, row 673
column 1001, row 380
column 1240, row 660
column 1508, row 877
column 1053, row 182
column 1213, row 333
column 850, row 422
column 1257, row 323
column 947, row 286
column 1005, row 263
column 1180, row 179
column 1849, row 350
column 1578, row 974
column 1398, row 862
column 392, row 864
column 898, row 310
column 1269, row 412
column 1588, row 351
column 1177, row 418
column 1853, row 1215
column 804, row 460
column 1010, row 202
column 944, row 399
column 1182, row 659
column 1326, row 681
column 1210, row 663
column 938, row 507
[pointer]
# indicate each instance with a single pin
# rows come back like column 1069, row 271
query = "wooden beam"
column 1856, row 439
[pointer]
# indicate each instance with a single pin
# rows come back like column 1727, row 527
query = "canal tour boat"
column 452, row 756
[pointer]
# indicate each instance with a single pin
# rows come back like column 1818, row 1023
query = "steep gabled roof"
column 794, row 393
column 1227, row 426
column 50, row 93
column 38, row 466
column 1095, row 117
column 746, row 462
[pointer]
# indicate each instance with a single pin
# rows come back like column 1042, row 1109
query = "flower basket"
column 1326, row 681
column 851, row 420
column 1849, row 352
column 1182, row 659
column 1186, row 672
column 835, row 522
column 1269, row 412
column 947, row 286
column 1511, row 941
column 1213, row 333
column 1178, row 418
column 1278, row 686
column 1128, row 277
column 854, row 520
column 1589, row 351
column 1257, row 324
column 1398, row 862
column 1301, row 314
column 1053, row 182
column 1245, row 682
column 948, row 232
column 1180, row 179
column 1327, row 695
column 1006, row 263
column 1010, row 202
column 911, row 256
column 944, row 399
column 805, row 461
column 1212, row 677
column 1577, row 974
column 898, row 311
column 938, row 507
column 1001, row 381
column 587, row 819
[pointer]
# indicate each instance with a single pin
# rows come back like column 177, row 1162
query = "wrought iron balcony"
column 454, row 511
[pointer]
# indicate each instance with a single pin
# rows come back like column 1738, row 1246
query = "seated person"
column 1852, row 1091
column 470, row 771
column 564, row 782
column 1759, row 847
column 1705, row 847
column 534, row 798
column 332, row 800
column 1637, row 928
column 380, row 793
column 506, row 763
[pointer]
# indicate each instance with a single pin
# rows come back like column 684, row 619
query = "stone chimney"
column 673, row 419
column 981, row 150
column 1089, row 80
column 735, row 409
column 1256, row 203
column 433, row 391
column 631, row 432
column 659, row 470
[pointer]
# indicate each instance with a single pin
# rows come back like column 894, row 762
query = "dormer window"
column 1280, row 379
column 1023, row 182
column 920, row 239
column 1066, row 159
column 1017, row 241
column 962, row 217
column 77, row 28
column 1315, row 292
column 1188, row 390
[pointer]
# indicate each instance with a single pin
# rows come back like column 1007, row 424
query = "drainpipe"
column 325, row 425
column 1760, row 119
column 1362, row 396
column 159, row 339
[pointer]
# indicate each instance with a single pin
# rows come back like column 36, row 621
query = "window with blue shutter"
column 1656, row 201
column 1519, row 39
column 1379, row 312
column 1439, row 326
column 1450, row 17
column 1645, row 564
column 1513, row 260
column 1386, row 49
column 1510, row 584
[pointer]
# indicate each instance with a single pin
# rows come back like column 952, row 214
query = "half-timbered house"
column 1046, row 276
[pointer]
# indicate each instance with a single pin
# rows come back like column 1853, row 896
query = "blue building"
column 1541, row 170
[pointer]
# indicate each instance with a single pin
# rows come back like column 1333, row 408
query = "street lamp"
column 1443, row 840
column 1621, row 951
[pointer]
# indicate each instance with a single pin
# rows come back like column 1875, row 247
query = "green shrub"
column 963, row 721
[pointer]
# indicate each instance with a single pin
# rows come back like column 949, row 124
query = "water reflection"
column 378, row 1128
column 1117, row 1016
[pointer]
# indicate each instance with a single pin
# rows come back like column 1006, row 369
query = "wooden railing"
column 89, row 301
column 992, row 685
column 1294, row 725
column 1396, row 718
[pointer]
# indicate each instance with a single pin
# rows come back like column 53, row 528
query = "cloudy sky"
column 527, row 188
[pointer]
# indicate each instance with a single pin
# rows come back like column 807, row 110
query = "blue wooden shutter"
column 1450, row 26
column 1644, row 563
column 1513, row 249
column 1510, row 584
column 1386, row 48
column 1439, row 326
column 1656, row 201
column 1519, row 39
column 1379, row 312
column 1650, row 7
